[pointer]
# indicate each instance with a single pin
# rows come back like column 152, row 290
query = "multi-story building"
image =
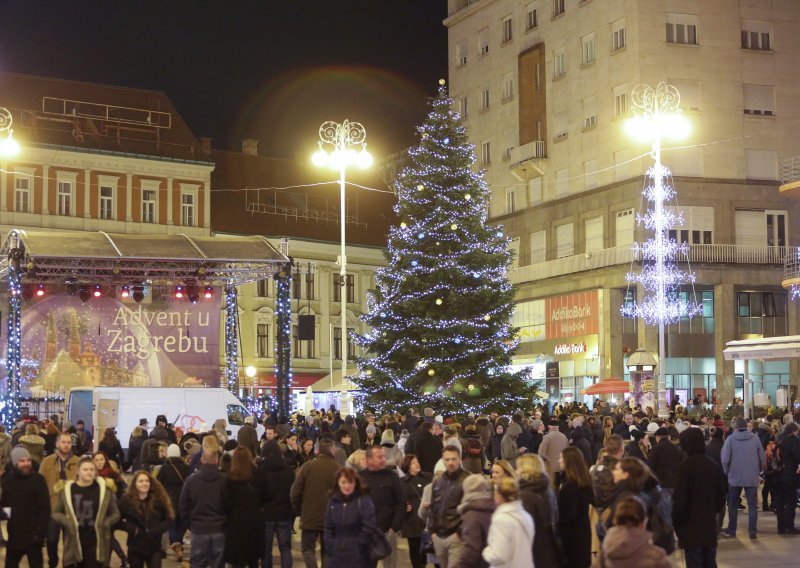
column 281, row 198
column 545, row 88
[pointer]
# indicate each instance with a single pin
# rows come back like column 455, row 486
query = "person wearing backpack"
column 473, row 455
column 697, row 500
column 786, row 478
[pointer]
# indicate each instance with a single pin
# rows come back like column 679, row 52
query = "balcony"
column 790, row 177
column 624, row 255
column 791, row 269
column 526, row 160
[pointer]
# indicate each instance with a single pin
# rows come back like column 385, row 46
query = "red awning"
column 299, row 380
column 608, row 386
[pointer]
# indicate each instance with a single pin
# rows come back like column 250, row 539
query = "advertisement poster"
column 111, row 341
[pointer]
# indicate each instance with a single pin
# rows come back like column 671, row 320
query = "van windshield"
column 80, row 407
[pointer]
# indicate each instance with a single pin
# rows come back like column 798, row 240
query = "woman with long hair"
column 306, row 451
column 511, row 533
column 574, row 497
column 628, row 543
column 135, row 444
column 146, row 513
column 501, row 469
column 608, row 428
column 112, row 448
column 246, row 493
column 538, row 498
column 414, row 481
column 357, row 460
column 349, row 522
column 87, row 540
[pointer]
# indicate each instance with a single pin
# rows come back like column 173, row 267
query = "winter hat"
column 741, row 424
column 787, row 418
column 439, row 419
column 636, row 434
column 229, row 446
column 476, row 486
column 372, row 430
column 19, row 453
column 680, row 426
column 387, row 436
column 173, row 451
column 652, row 427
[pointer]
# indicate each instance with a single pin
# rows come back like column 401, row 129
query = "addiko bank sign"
column 558, row 317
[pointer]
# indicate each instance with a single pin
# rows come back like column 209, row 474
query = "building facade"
column 545, row 88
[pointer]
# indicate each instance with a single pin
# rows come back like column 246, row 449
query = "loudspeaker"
column 305, row 327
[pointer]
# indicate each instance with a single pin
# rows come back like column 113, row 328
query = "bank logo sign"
column 558, row 317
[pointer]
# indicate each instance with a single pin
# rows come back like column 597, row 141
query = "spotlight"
column 138, row 294
column 27, row 292
column 192, row 293
column 72, row 287
column 209, row 293
column 98, row 291
column 125, row 291
column 84, row 294
column 179, row 292
column 40, row 290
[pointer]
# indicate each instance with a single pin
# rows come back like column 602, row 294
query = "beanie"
column 475, row 485
column 173, row 451
column 387, row 436
column 19, row 453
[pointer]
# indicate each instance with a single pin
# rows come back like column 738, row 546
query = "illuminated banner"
column 114, row 342
column 571, row 315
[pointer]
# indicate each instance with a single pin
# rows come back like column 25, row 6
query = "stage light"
column 98, row 291
column 209, row 293
column 179, row 292
column 27, row 292
column 192, row 293
column 138, row 294
column 40, row 290
column 125, row 291
column 84, row 294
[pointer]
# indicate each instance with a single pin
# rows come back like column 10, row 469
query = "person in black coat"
column 387, row 494
column 574, row 497
column 145, row 513
column 349, row 523
column 786, row 480
column 714, row 453
column 246, row 493
column 493, row 450
column 414, row 482
column 427, row 447
column 25, row 492
column 697, row 500
column 172, row 476
column 278, row 513
column 112, row 448
column 664, row 459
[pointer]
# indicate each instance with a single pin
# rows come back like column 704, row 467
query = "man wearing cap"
column 57, row 469
column 742, row 461
column 145, row 425
column 24, row 492
column 664, row 459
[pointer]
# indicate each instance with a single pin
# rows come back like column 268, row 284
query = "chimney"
column 250, row 147
column 205, row 145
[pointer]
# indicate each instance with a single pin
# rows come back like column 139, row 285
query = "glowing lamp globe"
column 320, row 158
column 250, row 371
column 9, row 147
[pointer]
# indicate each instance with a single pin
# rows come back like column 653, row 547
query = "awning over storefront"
column 332, row 382
column 608, row 386
column 299, row 380
column 787, row 347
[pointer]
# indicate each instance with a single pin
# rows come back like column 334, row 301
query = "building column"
column 207, row 204
column 87, row 190
column 169, row 201
column 610, row 347
column 129, row 199
column 4, row 186
column 724, row 331
column 792, row 326
column 45, row 190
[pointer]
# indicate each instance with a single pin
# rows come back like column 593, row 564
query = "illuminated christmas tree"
column 440, row 315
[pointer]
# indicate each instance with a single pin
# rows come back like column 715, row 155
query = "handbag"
column 426, row 543
column 379, row 546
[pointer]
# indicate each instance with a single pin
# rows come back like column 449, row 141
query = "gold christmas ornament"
column 420, row 187
column 438, row 301
column 468, row 197
column 442, row 82
column 403, row 225
column 453, row 227
column 431, row 372
column 487, row 317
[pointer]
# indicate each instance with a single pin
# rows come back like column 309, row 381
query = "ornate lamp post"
column 343, row 138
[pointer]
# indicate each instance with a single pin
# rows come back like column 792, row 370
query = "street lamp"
column 8, row 146
column 657, row 115
column 343, row 138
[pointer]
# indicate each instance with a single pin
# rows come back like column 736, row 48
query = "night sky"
column 272, row 70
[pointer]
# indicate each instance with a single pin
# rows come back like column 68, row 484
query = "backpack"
column 660, row 518
column 774, row 458
column 473, row 448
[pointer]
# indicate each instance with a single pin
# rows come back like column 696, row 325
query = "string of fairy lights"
column 231, row 341
column 9, row 398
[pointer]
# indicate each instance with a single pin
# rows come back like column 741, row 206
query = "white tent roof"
column 332, row 383
column 787, row 347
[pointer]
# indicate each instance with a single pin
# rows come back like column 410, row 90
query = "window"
column 703, row 322
column 761, row 164
column 508, row 87
column 562, row 125
column 756, row 35
column 564, row 241
column 461, row 53
column 687, row 162
column 310, row 286
column 65, row 198
column 301, row 349
column 620, row 100
column 486, row 153
column 760, row 227
column 629, row 325
column 462, row 107
column 337, row 289
column 558, row 7
column 589, row 112
column 511, row 198
column 694, row 225
column 485, row 98
column 593, row 229
column 508, row 30
column 761, row 313
column 590, row 173
column 587, row 49
column 149, row 205
column 106, row 202
column 535, row 191
column 531, row 19
column 483, row 42
column 262, row 340
column 22, row 194
column 759, row 99
column 188, row 217
column 560, row 58
column 236, row 415
column 538, row 246
column 351, row 289
column 689, row 92
column 562, row 183
column 262, row 288
column 298, row 287
column 337, row 343
column 618, row 35
column 682, row 28
column 624, row 226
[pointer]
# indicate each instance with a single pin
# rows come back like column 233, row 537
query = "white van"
column 123, row 407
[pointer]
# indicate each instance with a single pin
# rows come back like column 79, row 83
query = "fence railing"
column 527, row 152
column 790, row 170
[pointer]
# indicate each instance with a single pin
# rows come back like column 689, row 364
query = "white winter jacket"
column 510, row 541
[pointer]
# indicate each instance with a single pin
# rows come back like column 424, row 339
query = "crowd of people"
column 566, row 486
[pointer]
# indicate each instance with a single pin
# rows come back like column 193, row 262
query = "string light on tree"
column 443, row 249
column 231, row 341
